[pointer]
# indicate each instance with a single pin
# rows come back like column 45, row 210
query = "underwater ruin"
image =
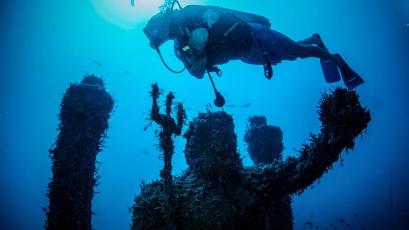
column 218, row 192
column 85, row 110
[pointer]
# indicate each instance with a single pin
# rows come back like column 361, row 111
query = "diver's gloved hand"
column 216, row 70
column 198, row 67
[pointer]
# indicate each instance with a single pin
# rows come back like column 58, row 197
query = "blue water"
column 45, row 45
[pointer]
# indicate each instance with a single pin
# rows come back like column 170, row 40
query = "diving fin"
column 329, row 68
column 349, row 76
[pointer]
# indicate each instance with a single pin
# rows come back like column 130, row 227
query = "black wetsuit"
column 233, row 35
column 229, row 36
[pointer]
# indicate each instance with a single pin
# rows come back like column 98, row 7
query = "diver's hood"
column 158, row 29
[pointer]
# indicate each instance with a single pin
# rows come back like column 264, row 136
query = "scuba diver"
column 208, row 36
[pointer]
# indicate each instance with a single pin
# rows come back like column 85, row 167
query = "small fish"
column 98, row 64
column 147, row 126
column 356, row 215
column 126, row 72
column 146, row 152
column 309, row 223
column 341, row 221
column 246, row 105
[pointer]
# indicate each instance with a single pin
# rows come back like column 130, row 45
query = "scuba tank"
column 246, row 17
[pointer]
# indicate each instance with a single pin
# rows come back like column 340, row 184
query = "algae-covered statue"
column 218, row 192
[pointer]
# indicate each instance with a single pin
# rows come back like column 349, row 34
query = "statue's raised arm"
column 343, row 119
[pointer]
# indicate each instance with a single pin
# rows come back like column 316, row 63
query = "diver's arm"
column 199, row 67
column 343, row 118
column 198, row 42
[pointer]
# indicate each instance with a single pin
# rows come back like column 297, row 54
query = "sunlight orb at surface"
column 122, row 13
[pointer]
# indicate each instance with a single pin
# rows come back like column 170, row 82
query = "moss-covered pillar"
column 85, row 110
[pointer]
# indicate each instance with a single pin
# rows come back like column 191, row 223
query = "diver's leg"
column 313, row 40
column 306, row 51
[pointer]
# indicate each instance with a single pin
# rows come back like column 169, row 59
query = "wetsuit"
column 232, row 35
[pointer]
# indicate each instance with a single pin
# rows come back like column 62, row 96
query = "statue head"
column 211, row 147
column 93, row 80
column 265, row 142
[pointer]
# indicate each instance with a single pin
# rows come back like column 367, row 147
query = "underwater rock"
column 217, row 192
column 85, row 110
column 265, row 144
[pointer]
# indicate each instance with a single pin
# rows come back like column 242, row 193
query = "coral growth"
column 85, row 110
column 217, row 192
column 265, row 144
